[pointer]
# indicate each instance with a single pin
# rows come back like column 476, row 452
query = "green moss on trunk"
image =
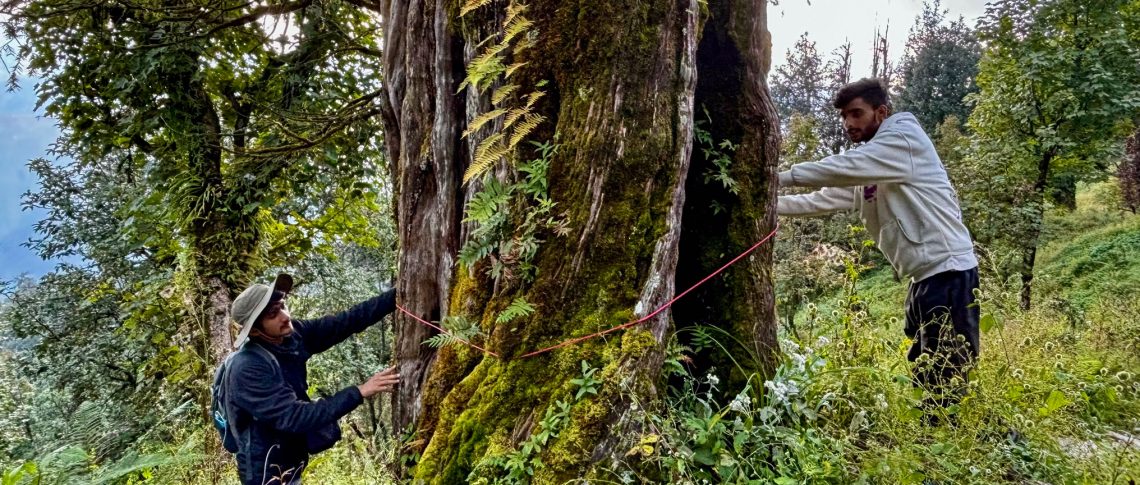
column 619, row 104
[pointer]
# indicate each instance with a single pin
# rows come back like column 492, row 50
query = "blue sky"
column 25, row 135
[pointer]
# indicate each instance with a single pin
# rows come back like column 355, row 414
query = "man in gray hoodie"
column 897, row 182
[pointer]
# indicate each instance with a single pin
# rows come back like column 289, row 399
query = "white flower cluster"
column 798, row 360
column 782, row 391
column 741, row 403
column 790, row 346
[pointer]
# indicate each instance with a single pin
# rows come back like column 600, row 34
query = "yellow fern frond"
column 502, row 93
column 515, row 27
column 513, row 10
column 523, row 129
column 513, row 116
column 488, row 57
column 514, row 67
column 481, row 120
column 470, row 5
column 483, row 69
column 489, row 151
column 533, row 98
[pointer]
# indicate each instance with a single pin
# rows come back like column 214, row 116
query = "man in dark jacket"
column 276, row 425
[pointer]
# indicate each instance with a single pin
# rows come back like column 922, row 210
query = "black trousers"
column 942, row 320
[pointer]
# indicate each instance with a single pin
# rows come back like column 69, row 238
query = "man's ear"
column 884, row 110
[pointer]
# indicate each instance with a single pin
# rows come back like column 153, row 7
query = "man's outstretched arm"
column 886, row 159
column 820, row 202
column 322, row 333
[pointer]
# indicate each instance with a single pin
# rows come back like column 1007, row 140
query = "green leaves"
column 1056, row 400
column 586, row 384
column 459, row 329
column 517, row 309
column 720, row 155
column 511, row 240
column 988, row 322
column 1057, row 82
column 938, row 69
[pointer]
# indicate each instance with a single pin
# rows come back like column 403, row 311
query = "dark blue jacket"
column 269, row 406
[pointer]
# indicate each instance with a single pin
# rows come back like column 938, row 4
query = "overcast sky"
column 828, row 22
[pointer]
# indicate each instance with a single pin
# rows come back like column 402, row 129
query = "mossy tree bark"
column 621, row 96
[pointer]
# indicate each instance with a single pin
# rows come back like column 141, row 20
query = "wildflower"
column 1123, row 376
column 740, row 403
column 1018, row 374
column 1103, row 371
column 791, row 346
column 881, row 401
column 781, row 391
column 1049, row 346
column 798, row 360
column 1026, row 342
column 712, row 379
column 1058, row 365
column 822, row 341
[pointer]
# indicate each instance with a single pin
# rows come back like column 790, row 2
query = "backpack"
column 218, row 399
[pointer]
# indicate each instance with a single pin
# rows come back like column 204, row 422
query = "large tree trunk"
column 212, row 239
column 421, row 118
column 623, row 79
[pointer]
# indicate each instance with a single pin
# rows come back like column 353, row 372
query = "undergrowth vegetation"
column 1048, row 403
column 1055, row 397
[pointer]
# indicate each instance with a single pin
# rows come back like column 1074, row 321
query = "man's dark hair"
column 872, row 90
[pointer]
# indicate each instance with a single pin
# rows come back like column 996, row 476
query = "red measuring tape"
column 608, row 330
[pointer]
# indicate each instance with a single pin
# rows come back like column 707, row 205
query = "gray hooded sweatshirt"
column 898, row 184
